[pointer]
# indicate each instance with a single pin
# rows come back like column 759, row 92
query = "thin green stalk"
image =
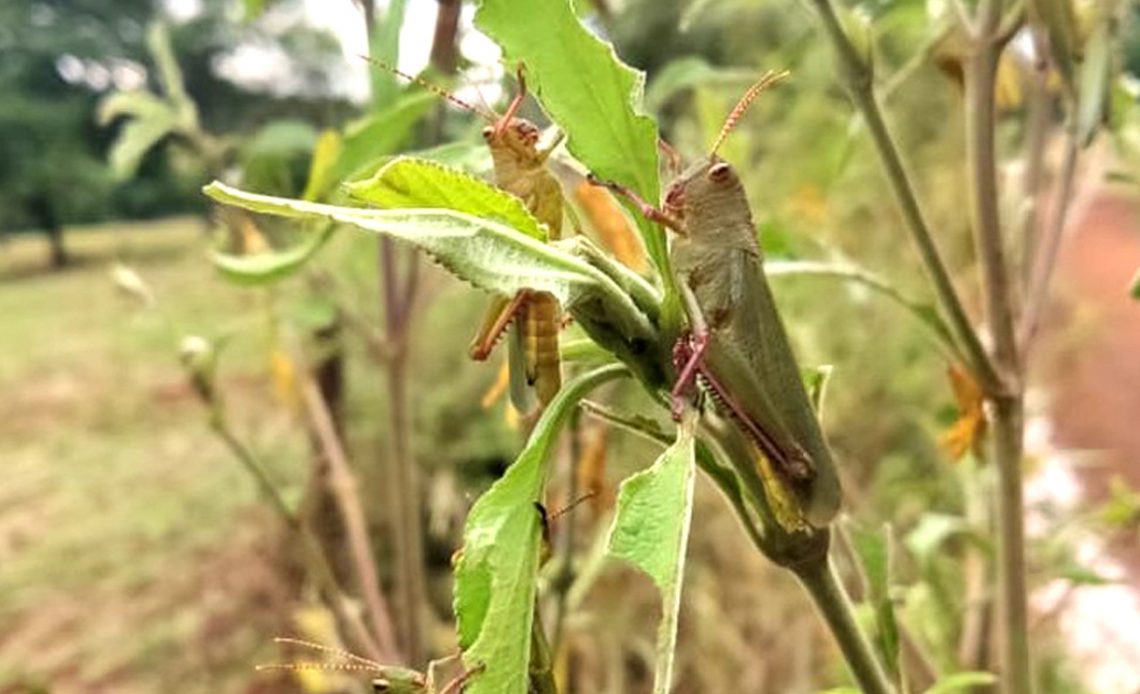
column 818, row 577
column 254, row 468
column 856, row 75
column 316, row 560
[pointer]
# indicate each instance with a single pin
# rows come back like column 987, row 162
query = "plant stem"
column 315, row 558
column 818, row 577
column 1046, row 255
column 856, row 76
column 1006, row 422
column 1005, row 405
column 345, row 489
column 980, row 80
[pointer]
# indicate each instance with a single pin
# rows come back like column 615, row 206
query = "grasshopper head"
column 516, row 135
column 708, row 190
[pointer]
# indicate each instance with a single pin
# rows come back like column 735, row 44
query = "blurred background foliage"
column 137, row 556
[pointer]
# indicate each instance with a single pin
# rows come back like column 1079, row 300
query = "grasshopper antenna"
column 357, row 662
column 516, row 102
column 570, row 506
column 485, row 113
column 769, row 79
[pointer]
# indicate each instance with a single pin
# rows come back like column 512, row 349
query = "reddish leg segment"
column 687, row 356
column 650, row 212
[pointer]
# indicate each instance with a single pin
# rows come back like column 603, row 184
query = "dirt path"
column 1095, row 371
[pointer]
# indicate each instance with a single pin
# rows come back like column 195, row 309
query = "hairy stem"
column 856, row 76
column 818, row 577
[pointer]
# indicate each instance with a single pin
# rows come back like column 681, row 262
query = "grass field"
column 133, row 554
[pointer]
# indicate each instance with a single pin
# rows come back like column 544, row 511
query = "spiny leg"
column 688, row 354
column 493, row 328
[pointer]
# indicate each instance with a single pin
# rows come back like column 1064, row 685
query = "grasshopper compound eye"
column 488, row 132
column 720, row 173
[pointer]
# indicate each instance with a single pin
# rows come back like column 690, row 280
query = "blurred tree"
column 60, row 57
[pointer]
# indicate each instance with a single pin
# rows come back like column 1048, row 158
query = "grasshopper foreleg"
column 456, row 685
column 687, row 356
column 647, row 210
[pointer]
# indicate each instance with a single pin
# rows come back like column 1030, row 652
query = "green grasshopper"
column 520, row 169
column 737, row 346
column 390, row 679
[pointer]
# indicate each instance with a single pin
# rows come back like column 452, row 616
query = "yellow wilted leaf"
column 967, row 432
column 1007, row 87
column 612, row 226
column 497, row 388
column 317, row 624
column 592, row 471
column 284, row 374
column 809, row 204
column 252, row 240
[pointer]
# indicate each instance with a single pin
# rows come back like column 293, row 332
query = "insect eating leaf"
column 587, row 91
column 651, row 531
column 408, row 183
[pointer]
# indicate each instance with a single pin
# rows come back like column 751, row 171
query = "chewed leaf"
column 408, row 183
column 651, row 531
column 488, row 254
column 496, row 574
column 587, row 91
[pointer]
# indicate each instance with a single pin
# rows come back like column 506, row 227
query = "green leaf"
column 325, row 154
column 488, row 254
column 874, row 552
column 932, row 531
column 588, row 92
column 135, row 139
column 495, row 577
column 925, row 313
column 1096, row 80
column 651, row 531
column 816, row 379
column 386, row 48
column 687, row 72
column 1056, row 19
column 379, row 134
column 170, row 75
column 266, row 268
column 407, row 183
column 961, row 681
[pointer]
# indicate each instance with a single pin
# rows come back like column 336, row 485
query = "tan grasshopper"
column 389, row 679
column 520, row 169
column 737, row 346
